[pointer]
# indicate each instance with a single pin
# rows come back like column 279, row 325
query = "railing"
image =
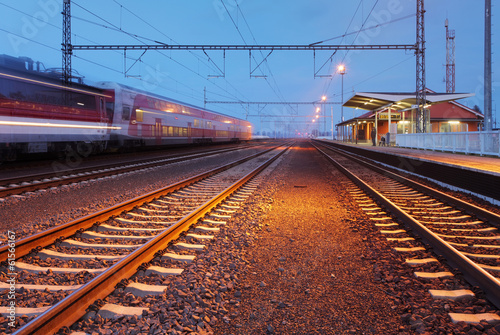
column 474, row 142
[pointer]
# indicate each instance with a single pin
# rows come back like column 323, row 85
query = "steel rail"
column 49, row 236
column 74, row 306
column 481, row 213
column 67, row 180
column 471, row 271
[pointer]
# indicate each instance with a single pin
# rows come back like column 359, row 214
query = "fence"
column 474, row 142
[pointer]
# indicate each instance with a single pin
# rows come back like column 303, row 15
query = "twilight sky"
column 32, row 28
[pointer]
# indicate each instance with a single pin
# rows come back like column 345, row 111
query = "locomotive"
column 38, row 114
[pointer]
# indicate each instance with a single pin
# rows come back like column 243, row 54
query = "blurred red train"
column 38, row 114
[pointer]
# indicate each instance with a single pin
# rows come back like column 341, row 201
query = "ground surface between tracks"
column 308, row 272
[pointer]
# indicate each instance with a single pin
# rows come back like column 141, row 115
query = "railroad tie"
column 162, row 271
column 55, row 288
column 213, row 222
column 420, row 261
column 491, row 318
column 25, row 310
column 48, row 253
column 177, row 257
column 451, row 294
column 412, row 249
column 79, row 244
column 94, row 235
column 189, row 246
column 433, row 275
column 109, row 228
column 36, row 268
column 205, row 229
column 142, row 290
column 113, row 311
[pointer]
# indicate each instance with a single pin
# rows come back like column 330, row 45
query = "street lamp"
column 341, row 69
column 323, row 100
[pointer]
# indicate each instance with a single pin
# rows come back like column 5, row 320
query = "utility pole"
column 450, row 59
column 487, row 67
column 420, row 61
column 66, row 42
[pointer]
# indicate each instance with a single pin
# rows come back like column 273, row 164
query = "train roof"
column 18, row 68
column 107, row 84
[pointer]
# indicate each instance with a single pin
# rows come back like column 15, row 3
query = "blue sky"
column 32, row 28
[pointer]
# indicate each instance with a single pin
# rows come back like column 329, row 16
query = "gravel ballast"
column 299, row 257
column 308, row 273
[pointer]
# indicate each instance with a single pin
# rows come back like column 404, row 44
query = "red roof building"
column 397, row 110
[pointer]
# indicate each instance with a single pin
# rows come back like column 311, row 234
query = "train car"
column 144, row 119
column 38, row 114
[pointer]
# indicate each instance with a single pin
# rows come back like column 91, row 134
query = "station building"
column 395, row 113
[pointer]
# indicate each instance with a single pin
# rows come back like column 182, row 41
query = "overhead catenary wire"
column 276, row 91
column 140, row 39
column 357, row 34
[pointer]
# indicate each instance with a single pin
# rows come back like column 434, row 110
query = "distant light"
column 317, row 116
column 317, row 110
column 323, row 98
column 341, row 69
column 80, row 103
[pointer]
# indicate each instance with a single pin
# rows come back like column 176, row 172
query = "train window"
column 126, row 113
column 209, row 124
column 196, row 123
column 184, row 132
column 139, row 114
column 176, row 131
column 170, row 131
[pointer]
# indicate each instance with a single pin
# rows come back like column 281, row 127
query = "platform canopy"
column 398, row 101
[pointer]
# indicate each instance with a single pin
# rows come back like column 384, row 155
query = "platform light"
column 454, row 122
column 317, row 109
column 323, row 98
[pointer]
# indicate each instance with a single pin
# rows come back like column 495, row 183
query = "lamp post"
column 341, row 69
column 323, row 99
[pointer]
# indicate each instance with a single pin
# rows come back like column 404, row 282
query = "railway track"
column 466, row 235
column 34, row 182
column 84, row 260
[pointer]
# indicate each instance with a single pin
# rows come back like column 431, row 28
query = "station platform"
column 489, row 165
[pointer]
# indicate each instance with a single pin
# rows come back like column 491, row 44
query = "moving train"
column 40, row 115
